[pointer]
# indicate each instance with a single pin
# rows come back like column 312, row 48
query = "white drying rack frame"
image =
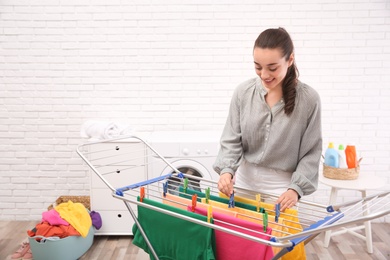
column 130, row 159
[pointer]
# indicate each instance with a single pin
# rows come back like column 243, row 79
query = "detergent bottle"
column 351, row 157
column 342, row 157
column 331, row 156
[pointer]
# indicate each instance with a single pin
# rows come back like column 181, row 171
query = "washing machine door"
column 189, row 167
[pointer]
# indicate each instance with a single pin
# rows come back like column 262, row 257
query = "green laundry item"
column 189, row 192
column 173, row 238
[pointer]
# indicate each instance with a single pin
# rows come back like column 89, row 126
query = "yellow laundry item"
column 182, row 203
column 76, row 215
column 291, row 222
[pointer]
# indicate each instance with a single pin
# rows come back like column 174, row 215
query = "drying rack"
column 131, row 157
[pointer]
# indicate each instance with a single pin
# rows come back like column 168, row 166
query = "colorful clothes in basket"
column 77, row 215
column 172, row 237
column 46, row 230
column 232, row 247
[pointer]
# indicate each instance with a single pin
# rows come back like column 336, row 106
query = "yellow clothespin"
column 209, row 213
column 258, row 202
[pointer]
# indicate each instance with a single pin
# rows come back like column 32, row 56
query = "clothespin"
column 180, row 175
column 258, row 202
column 194, row 200
column 209, row 213
column 185, row 185
column 231, row 201
column 165, row 188
column 141, row 194
column 207, row 195
column 265, row 221
column 277, row 212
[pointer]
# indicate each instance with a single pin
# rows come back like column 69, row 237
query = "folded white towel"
column 103, row 129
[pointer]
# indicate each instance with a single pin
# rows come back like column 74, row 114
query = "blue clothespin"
column 277, row 212
column 180, row 175
column 231, row 201
column 165, row 188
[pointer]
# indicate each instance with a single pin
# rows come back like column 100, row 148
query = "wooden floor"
column 345, row 246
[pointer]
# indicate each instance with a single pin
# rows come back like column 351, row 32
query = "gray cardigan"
column 268, row 137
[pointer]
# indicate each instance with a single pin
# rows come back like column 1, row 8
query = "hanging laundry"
column 172, row 237
column 189, row 192
column 182, row 203
column 232, row 247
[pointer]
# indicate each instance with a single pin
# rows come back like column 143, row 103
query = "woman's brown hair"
column 280, row 39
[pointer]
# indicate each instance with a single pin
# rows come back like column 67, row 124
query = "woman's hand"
column 287, row 200
column 225, row 183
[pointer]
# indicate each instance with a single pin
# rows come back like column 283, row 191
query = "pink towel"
column 53, row 218
column 231, row 247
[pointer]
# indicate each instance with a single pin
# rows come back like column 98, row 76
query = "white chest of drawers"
column 121, row 163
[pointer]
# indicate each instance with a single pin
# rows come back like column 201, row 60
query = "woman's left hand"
column 288, row 199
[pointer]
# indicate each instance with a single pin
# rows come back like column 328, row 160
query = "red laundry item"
column 46, row 230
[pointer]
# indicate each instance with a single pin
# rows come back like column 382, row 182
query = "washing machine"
column 191, row 152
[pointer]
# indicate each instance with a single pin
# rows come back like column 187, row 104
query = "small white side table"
column 364, row 182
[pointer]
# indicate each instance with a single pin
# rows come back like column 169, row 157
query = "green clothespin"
column 265, row 221
column 207, row 195
column 185, row 185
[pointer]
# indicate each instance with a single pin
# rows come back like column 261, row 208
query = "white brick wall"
column 169, row 65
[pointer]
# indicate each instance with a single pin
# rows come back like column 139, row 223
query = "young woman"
column 272, row 138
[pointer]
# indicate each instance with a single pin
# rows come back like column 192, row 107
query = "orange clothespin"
column 209, row 213
column 194, row 200
column 142, row 194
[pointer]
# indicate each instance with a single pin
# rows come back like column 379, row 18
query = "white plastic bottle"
column 342, row 157
column 331, row 156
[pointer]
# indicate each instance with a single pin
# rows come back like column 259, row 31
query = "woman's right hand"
column 225, row 183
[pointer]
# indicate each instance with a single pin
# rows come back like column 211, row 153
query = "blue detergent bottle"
column 331, row 156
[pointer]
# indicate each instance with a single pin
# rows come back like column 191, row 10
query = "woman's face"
column 271, row 66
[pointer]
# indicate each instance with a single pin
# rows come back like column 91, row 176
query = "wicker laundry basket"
column 85, row 200
column 341, row 174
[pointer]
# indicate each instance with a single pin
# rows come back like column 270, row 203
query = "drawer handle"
column 118, row 171
column 117, row 148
